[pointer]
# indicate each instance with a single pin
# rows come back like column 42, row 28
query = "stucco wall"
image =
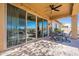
column 2, row 27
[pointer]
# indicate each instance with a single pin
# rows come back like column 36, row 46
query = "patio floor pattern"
column 43, row 48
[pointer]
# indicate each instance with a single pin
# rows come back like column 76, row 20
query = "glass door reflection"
column 45, row 28
column 39, row 27
column 31, row 27
column 16, row 26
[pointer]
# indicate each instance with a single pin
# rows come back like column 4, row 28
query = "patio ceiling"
column 43, row 9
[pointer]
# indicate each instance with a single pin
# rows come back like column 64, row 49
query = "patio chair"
column 65, row 37
column 58, row 36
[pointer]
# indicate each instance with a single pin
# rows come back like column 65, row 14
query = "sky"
column 67, row 20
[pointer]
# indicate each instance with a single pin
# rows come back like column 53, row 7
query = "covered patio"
column 27, row 29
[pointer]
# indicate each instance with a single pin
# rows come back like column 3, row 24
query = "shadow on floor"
column 72, row 43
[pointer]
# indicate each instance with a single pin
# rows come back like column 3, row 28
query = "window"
column 16, row 26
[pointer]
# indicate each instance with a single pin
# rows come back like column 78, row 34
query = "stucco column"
column 49, row 27
column 3, row 33
column 74, row 27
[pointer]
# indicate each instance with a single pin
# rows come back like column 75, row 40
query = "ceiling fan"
column 54, row 7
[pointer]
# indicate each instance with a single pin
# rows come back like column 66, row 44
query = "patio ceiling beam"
column 71, row 8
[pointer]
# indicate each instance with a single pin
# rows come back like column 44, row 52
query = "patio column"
column 49, row 26
column 74, row 27
column 3, row 29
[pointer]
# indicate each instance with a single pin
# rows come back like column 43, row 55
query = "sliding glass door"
column 16, row 26
column 42, row 28
column 22, row 26
column 31, row 27
column 39, row 27
column 45, row 28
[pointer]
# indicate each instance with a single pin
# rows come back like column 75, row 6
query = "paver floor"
column 43, row 48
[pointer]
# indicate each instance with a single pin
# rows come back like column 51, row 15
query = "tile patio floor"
column 45, row 48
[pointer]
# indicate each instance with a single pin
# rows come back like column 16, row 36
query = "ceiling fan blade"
column 56, row 10
column 58, row 6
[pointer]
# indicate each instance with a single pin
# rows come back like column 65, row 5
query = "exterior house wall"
column 3, row 27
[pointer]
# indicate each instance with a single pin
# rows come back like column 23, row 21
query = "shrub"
column 57, row 30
